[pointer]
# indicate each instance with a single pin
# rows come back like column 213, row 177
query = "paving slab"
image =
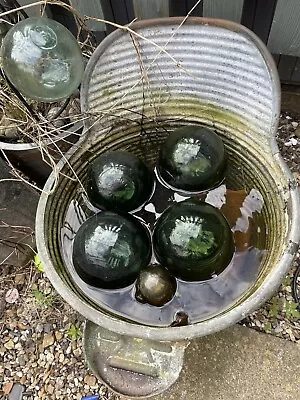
column 238, row 364
column 18, row 203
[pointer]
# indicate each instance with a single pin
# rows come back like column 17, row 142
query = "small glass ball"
column 119, row 181
column 192, row 159
column 193, row 240
column 155, row 285
column 42, row 59
column 109, row 250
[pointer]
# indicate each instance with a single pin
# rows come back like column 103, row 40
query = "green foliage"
column 287, row 281
column 268, row 327
column 274, row 307
column 277, row 306
column 291, row 310
column 37, row 263
column 74, row 333
column 42, row 300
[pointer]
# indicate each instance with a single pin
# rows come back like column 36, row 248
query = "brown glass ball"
column 155, row 285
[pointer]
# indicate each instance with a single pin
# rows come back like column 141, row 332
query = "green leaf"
column 268, row 327
column 38, row 295
column 37, row 263
column 287, row 281
column 274, row 307
column 291, row 310
column 42, row 300
column 74, row 332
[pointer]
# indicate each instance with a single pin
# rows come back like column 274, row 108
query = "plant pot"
column 28, row 157
column 17, row 223
column 226, row 80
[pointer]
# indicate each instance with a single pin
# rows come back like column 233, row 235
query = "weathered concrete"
column 18, row 203
column 238, row 364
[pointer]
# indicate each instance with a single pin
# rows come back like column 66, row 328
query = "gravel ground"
column 41, row 343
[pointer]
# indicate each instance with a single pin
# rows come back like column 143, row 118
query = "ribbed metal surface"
column 220, row 66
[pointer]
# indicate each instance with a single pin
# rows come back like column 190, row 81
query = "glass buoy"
column 42, row 59
column 193, row 240
column 192, row 159
column 155, row 285
column 109, row 250
column 119, row 181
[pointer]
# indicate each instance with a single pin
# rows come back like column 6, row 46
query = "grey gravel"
column 37, row 349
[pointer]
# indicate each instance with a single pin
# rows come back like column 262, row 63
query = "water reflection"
column 200, row 300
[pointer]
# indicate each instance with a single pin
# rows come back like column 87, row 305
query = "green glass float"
column 42, row 59
column 192, row 159
column 119, row 180
column 155, row 285
column 193, row 240
column 109, row 250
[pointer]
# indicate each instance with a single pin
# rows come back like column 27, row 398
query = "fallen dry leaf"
column 7, row 388
column 12, row 296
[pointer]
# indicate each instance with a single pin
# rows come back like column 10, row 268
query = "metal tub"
column 137, row 87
